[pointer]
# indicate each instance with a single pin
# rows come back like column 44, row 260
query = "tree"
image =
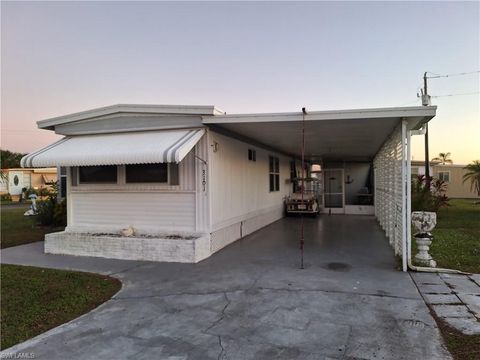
column 473, row 175
column 444, row 158
column 10, row 159
column 426, row 198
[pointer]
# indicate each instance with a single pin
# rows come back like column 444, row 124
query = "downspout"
column 408, row 228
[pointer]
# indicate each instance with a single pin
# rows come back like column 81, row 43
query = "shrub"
column 424, row 199
column 28, row 191
column 23, row 194
column 6, row 197
column 60, row 213
column 45, row 212
column 50, row 212
column 44, row 191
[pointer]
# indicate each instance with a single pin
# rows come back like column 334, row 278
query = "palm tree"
column 473, row 175
column 444, row 158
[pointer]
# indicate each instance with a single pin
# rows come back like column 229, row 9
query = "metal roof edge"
column 416, row 111
column 203, row 110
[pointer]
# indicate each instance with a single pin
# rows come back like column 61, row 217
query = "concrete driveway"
column 251, row 301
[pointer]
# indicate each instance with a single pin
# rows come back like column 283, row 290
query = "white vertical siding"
column 144, row 211
column 186, row 171
column 202, row 181
column 27, row 179
column 240, row 189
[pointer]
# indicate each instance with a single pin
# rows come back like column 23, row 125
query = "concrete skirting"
column 129, row 248
column 229, row 234
column 359, row 210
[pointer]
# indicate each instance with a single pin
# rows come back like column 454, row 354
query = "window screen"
column 444, row 176
column 146, row 173
column 252, row 155
column 274, row 173
column 98, row 174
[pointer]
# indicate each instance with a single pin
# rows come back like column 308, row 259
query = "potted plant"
column 427, row 198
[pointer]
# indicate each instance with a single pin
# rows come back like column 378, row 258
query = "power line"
column 13, row 130
column 436, row 76
column 459, row 94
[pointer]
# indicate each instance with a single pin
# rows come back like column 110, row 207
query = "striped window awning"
column 166, row 146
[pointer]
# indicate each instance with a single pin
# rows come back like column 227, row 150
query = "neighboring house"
column 17, row 179
column 185, row 181
column 452, row 174
column 418, row 167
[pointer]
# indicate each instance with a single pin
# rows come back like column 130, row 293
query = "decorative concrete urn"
column 424, row 222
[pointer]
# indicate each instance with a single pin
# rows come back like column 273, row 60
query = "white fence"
column 389, row 188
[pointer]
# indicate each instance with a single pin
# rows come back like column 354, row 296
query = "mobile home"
column 182, row 182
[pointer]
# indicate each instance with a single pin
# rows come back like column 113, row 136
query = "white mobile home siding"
column 147, row 207
column 240, row 198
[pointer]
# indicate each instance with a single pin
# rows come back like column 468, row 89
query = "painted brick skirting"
column 129, row 248
column 156, row 249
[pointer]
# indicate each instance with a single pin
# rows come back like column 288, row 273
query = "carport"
column 378, row 137
column 250, row 301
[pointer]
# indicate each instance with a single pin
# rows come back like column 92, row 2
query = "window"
column 63, row 187
column 274, row 173
column 146, row 173
column 129, row 174
column 98, row 174
column 252, row 155
column 444, row 176
column 63, row 182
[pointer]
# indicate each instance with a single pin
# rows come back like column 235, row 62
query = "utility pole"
column 426, row 102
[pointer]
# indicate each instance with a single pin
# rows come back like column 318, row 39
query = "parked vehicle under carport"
column 305, row 202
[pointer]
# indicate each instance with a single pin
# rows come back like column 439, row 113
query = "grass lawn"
column 456, row 245
column 456, row 238
column 35, row 300
column 17, row 229
column 11, row 202
column 460, row 346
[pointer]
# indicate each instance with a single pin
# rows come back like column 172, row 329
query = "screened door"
column 334, row 190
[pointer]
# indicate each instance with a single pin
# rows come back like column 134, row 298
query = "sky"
column 63, row 57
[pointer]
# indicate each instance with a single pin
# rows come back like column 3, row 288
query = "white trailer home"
column 186, row 181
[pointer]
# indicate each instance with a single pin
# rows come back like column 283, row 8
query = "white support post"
column 404, row 197
column 409, row 197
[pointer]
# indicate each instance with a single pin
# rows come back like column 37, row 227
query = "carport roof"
column 329, row 135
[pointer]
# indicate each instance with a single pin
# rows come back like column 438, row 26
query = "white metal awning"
column 335, row 135
column 116, row 149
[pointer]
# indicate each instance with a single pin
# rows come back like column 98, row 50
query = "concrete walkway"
column 251, row 301
column 454, row 298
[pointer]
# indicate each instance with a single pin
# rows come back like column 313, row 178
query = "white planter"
column 424, row 222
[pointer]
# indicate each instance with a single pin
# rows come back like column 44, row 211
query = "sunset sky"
column 62, row 57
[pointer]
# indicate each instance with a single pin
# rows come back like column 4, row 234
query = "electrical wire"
column 436, row 76
column 13, row 130
column 459, row 94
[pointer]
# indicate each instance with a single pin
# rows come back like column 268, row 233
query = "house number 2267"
column 204, row 179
